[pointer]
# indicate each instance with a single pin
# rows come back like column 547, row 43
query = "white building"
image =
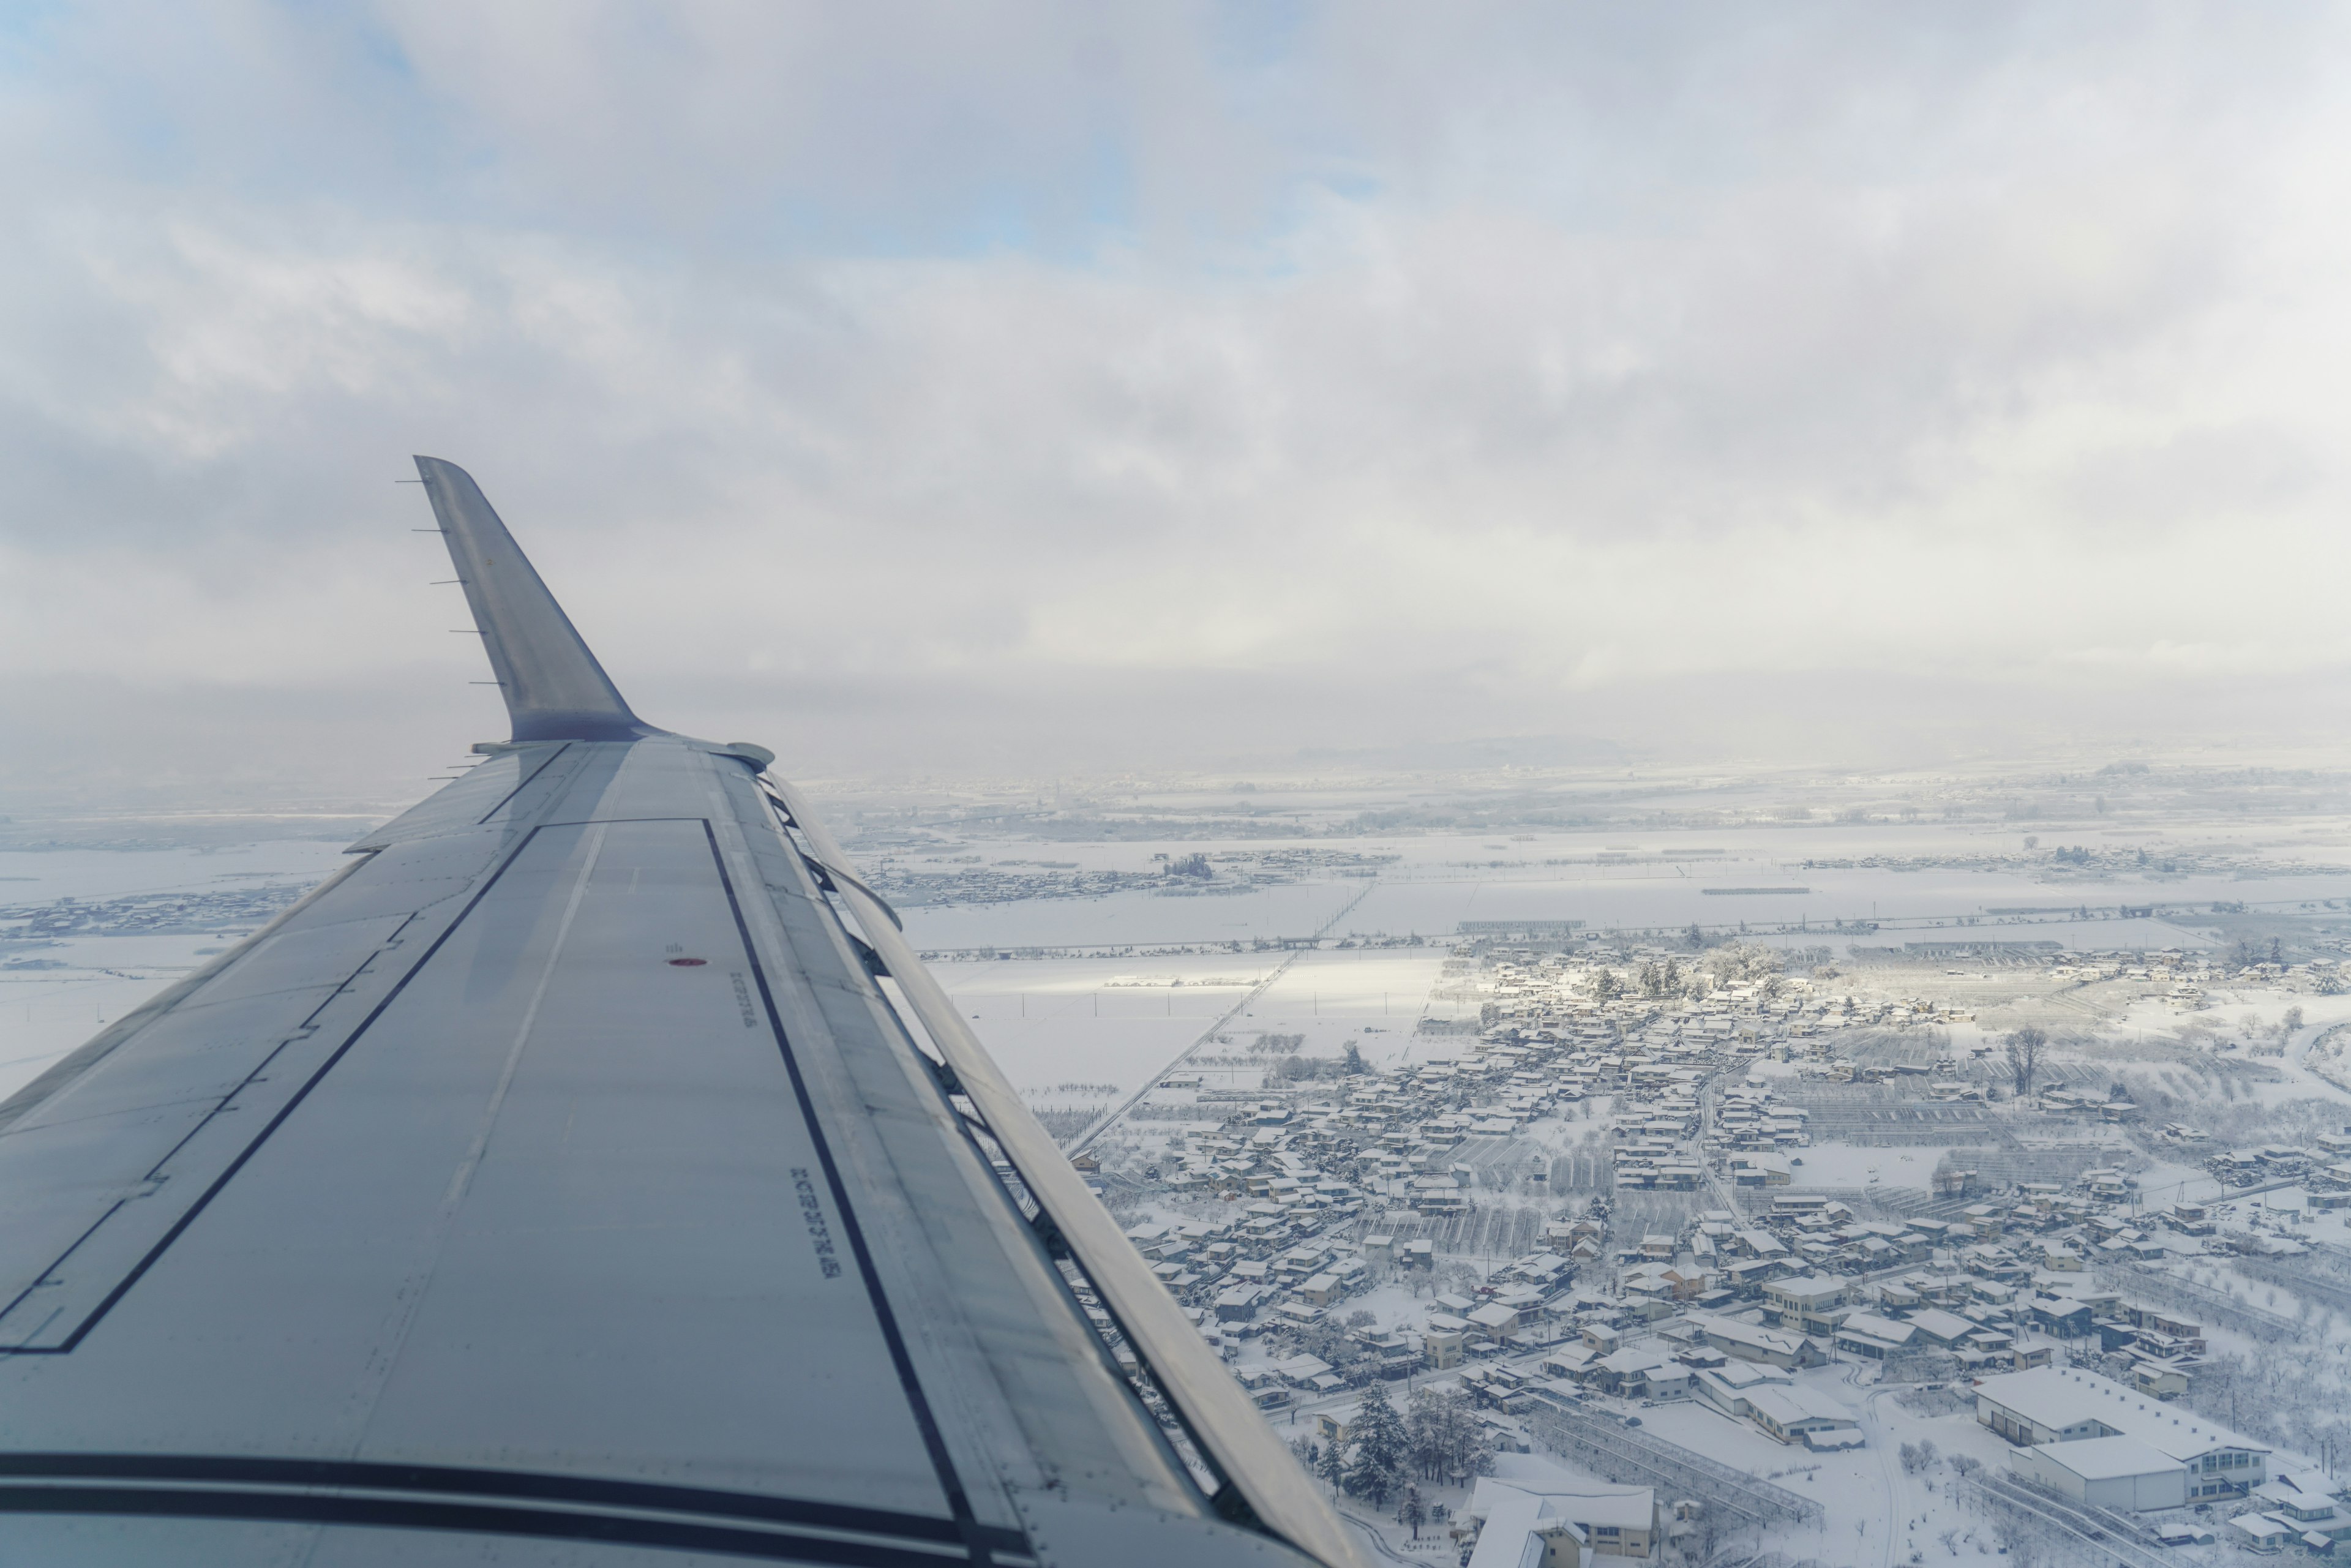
column 1794, row 1414
column 2050, row 1405
column 1608, row 1521
column 2107, row 1472
column 1726, row 1388
column 1752, row 1342
column 1519, row 1530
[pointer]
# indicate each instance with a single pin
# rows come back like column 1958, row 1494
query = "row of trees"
column 1436, row 1437
column 1734, row 963
column 1300, row 1069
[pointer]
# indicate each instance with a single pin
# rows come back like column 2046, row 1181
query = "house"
column 1940, row 1330
column 1794, row 1414
column 1652, row 1283
column 1301, row 1371
column 1573, row 1361
column 1238, row 1304
column 1391, row 1355
column 1638, row 1374
column 1805, row 1302
column 1519, row 1530
column 1493, row 1320
column 2060, row 1315
column 2150, row 1321
column 1320, row 1290
column 1614, row 1521
column 1748, row 1277
column 2261, row 1532
column 1749, row 1342
column 1726, row 1388
column 1874, row 1338
column 2306, row 1501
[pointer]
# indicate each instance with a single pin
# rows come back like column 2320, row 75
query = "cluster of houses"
column 1607, row 999
column 1729, row 1309
column 1292, row 1253
column 2325, row 1165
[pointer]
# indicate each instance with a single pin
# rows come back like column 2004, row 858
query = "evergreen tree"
column 1331, row 1464
column 1377, row 1437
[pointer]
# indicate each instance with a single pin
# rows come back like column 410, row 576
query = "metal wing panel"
column 623, row 1278
column 533, row 1197
column 974, row 1287
column 513, row 784
column 1254, row 1463
column 107, row 1162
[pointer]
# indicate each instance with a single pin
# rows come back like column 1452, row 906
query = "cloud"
column 922, row 387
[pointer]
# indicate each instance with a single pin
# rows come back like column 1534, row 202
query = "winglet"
column 555, row 689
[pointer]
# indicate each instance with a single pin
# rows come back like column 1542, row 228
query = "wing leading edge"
column 562, row 1173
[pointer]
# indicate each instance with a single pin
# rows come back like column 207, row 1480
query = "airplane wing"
column 588, row 1173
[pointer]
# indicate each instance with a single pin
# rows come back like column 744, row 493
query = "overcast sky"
column 1026, row 388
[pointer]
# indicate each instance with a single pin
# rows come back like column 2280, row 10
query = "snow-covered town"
column 1707, row 1250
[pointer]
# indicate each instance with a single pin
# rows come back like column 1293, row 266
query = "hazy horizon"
column 919, row 391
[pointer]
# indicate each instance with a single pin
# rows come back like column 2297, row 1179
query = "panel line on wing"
column 21, row 1340
column 179, row 1226
column 934, row 1440
column 411, row 1298
column 522, row 1485
column 528, row 779
column 779, row 1544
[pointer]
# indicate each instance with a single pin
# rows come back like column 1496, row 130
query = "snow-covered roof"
column 2263, row 1526
column 1590, row 1504
column 1509, row 1538
column 2108, row 1458
column 1792, row 1404
column 1937, row 1323
column 1883, row 1329
column 2062, row 1398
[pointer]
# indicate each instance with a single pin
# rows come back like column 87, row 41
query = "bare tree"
column 2025, row 1056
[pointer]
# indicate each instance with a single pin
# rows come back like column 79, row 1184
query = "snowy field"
column 1116, row 1022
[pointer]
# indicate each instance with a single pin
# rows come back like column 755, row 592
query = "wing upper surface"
column 557, row 1173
